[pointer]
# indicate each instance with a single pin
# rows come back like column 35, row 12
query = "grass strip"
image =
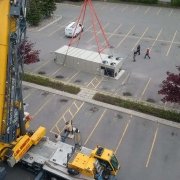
column 138, row 106
column 44, row 81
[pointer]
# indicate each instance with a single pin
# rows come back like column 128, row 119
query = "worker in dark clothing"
column 138, row 49
column 147, row 53
column 134, row 56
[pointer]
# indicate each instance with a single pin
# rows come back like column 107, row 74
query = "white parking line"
column 112, row 34
column 125, row 37
column 156, row 39
column 113, row 8
column 104, row 6
column 125, row 8
column 139, row 39
column 170, row 12
column 97, row 33
column 171, row 44
column 158, row 12
column 135, row 9
column 147, row 10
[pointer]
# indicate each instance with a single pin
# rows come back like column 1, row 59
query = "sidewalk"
column 86, row 95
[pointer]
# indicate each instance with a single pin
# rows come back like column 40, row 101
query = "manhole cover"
column 44, row 93
column 42, row 72
column 26, row 88
column 93, row 109
column 59, row 77
column 150, row 100
column 63, row 100
column 127, row 94
column 77, row 81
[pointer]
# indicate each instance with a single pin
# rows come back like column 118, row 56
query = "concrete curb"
column 50, row 24
column 108, row 106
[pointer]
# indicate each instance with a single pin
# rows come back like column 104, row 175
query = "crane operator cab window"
column 114, row 162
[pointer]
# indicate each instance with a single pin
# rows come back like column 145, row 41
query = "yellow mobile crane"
column 52, row 161
column 14, row 139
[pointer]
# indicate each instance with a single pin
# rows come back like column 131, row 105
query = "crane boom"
column 12, row 36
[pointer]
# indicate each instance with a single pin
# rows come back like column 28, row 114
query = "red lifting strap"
column 81, row 16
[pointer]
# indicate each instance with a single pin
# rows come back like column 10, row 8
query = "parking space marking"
column 123, row 135
column 27, row 96
column 57, row 70
column 43, row 105
column 158, row 12
column 147, row 10
column 145, row 88
column 125, row 79
column 60, row 27
column 155, row 135
column 99, row 82
column 171, row 44
column 112, row 34
column 95, row 126
column 125, row 8
column 170, row 12
column 113, row 7
column 104, row 6
column 139, row 39
column 125, row 37
column 42, row 65
column 135, row 9
column 156, row 39
column 68, row 111
column 97, row 33
column 93, row 81
column 73, row 76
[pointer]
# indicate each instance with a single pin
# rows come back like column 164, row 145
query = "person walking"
column 147, row 53
column 134, row 56
column 138, row 49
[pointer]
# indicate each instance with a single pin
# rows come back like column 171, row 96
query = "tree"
column 33, row 15
column 47, row 7
column 30, row 55
column 171, row 88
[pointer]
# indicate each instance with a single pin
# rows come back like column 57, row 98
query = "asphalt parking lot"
column 145, row 149
column 125, row 26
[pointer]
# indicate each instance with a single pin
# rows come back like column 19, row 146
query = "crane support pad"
column 37, row 136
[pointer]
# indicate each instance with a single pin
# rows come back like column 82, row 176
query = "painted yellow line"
column 104, row 6
column 57, row 70
column 113, row 8
column 145, row 88
column 63, row 118
column 43, row 105
column 125, row 8
column 125, row 37
column 91, row 80
column 156, row 39
column 73, row 76
column 170, row 12
column 125, row 79
column 57, row 128
column 95, row 126
column 122, row 136
column 152, row 146
column 99, row 82
column 139, row 39
column 75, row 105
column 158, row 12
column 42, row 65
column 27, row 96
column 97, row 33
column 171, row 44
column 112, row 34
column 147, row 10
column 70, row 112
column 135, row 9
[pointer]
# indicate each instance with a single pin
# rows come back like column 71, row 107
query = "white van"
column 69, row 30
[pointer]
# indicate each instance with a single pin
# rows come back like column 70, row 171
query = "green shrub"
column 142, row 1
column 137, row 106
column 49, row 83
column 175, row 2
